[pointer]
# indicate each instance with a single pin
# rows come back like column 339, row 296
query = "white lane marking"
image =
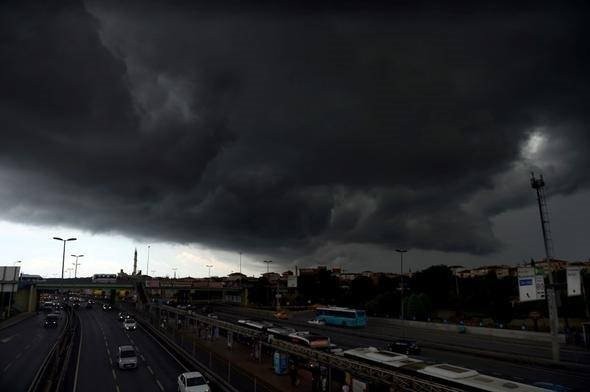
column 114, row 375
column 7, row 366
column 117, row 386
column 142, row 357
column 8, row 339
column 78, row 360
column 159, row 384
column 19, row 355
column 149, row 368
column 28, row 346
column 110, row 361
column 165, row 349
column 108, row 351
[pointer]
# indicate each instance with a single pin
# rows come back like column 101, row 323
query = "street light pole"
column 147, row 270
column 209, row 283
column 267, row 262
column 401, row 257
column 174, row 269
column 10, row 295
column 63, row 260
column 76, row 264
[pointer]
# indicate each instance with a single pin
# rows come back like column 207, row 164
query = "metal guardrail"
column 186, row 357
column 51, row 374
column 399, row 380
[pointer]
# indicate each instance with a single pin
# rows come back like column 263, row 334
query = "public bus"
column 342, row 316
column 104, row 278
column 309, row 340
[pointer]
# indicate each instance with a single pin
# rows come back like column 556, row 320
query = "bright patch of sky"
column 109, row 253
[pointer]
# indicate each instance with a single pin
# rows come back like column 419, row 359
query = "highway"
column 97, row 371
column 376, row 336
column 23, row 347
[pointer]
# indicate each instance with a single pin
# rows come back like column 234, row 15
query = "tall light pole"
column 174, row 269
column 401, row 258
column 76, row 264
column 147, row 269
column 10, row 295
column 63, row 260
column 209, row 283
column 267, row 262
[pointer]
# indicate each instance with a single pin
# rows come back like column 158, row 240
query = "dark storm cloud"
column 281, row 129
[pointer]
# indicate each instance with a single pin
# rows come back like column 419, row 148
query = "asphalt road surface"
column 23, row 347
column 102, row 333
column 378, row 334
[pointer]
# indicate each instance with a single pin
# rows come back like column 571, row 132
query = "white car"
column 129, row 324
column 316, row 322
column 126, row 357
column 193, row 382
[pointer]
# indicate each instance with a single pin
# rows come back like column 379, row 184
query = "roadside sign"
column 531, row 284
column 574, row 284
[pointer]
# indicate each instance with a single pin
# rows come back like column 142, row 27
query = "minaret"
column 135, row 262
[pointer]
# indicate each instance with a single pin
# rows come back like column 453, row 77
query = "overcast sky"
column 329, row 134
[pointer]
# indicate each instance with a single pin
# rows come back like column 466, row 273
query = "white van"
column 126, row 357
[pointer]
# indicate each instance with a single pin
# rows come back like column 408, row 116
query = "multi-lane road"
column 97, row 371
column 23, row 348
column 378, row 333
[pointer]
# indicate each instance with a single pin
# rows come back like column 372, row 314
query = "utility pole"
column 538, row 185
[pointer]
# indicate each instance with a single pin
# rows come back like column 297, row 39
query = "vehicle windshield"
column 52, row 317
column 128, row 354
column 194, row 381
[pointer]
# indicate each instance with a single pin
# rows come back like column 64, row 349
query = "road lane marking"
column 28, row 346
column 7, row 366
column 19, row 355
column 149, row 368
column 78, row 360
column 142, row 357
column 8, row 339
column 108, row 351
column 117, row 387
column 111, row 361
column 114, row 374
column 159, row 384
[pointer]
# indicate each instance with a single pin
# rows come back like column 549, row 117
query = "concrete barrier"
column 496, row 332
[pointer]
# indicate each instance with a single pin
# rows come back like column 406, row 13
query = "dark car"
column 50, row 321
column 405, row 346
column 106, row 307
column 122, row 316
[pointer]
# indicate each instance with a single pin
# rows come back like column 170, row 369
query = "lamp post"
column 267, row 262
column 401, row 257
column 10, row 295
column 209, row 283
column 76, row 264
column 147, row 269
column 174, row 269
column 63, row 260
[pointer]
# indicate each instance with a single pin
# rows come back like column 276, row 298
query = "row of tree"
column 426, row 294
